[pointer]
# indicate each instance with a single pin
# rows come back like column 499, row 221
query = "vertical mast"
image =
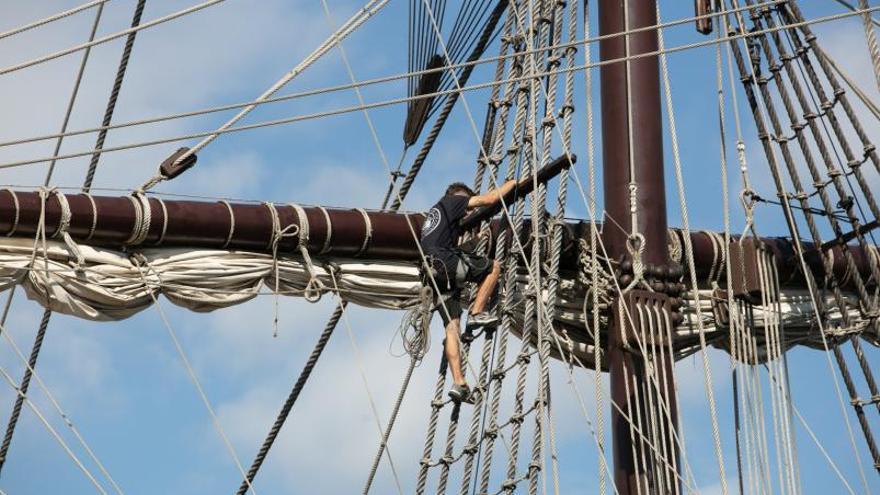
column 635, row 465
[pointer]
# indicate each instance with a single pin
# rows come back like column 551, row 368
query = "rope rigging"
column 537, row 45
column 473, row 17
column 114, row 96
column 753, row 77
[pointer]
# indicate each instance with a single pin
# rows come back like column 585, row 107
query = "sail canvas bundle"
column 110, row 285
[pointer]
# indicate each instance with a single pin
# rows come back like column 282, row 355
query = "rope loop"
column 329, row 237
column 314, row 288
column 142, row 217
column 94, row 216
column 231, row 224
column 368, row 234
column 17, row 215
column 64, row 224
column 277, row 235
column 303, row 223
column 415, row 327
column 749, row 200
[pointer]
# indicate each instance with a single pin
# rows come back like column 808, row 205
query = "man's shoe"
column 461, row 393
column 482, row 319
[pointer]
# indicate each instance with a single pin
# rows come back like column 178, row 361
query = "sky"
column 125, row 388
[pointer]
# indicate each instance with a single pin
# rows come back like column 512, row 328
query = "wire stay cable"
column 395, row 101
column 52, row 18
column 394, row 77
column 109, row 37
column 371, row 8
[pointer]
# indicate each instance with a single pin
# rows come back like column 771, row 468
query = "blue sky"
column 123, row 384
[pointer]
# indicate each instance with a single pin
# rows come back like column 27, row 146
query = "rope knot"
column 63, row 223
column 16, row 216
column 491, row 432
column 498, row 374
column 143, row 217
column 508, row 484
column 635, row 245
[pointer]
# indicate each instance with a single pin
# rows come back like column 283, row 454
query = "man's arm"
column 493, row 196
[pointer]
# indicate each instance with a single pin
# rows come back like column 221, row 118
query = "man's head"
column 459, row 189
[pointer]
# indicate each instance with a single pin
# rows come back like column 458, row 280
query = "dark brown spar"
column 333, row 232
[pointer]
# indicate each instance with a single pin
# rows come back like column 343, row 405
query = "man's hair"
column 458, row 187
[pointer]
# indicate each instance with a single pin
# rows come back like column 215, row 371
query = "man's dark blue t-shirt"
column 441, row 230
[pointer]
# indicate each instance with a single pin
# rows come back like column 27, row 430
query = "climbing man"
column 452, row 267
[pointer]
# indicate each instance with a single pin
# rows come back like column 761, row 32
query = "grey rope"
column 526, row 100
column 368, row 232
column 23, row 387
column 327, row 240
column 855, row 224
column 422, row 326
column 165, row 223
column 490, row 434
column 871, row 38
column 493, row 132
column 437, row 403
column 114, row 95
column 94, row 224
column 869, row 151
column 231, row 224
column 291, row 398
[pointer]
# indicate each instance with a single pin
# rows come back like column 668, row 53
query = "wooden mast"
column 636, row 468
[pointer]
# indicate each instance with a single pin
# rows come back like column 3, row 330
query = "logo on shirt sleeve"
column 431, row 222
